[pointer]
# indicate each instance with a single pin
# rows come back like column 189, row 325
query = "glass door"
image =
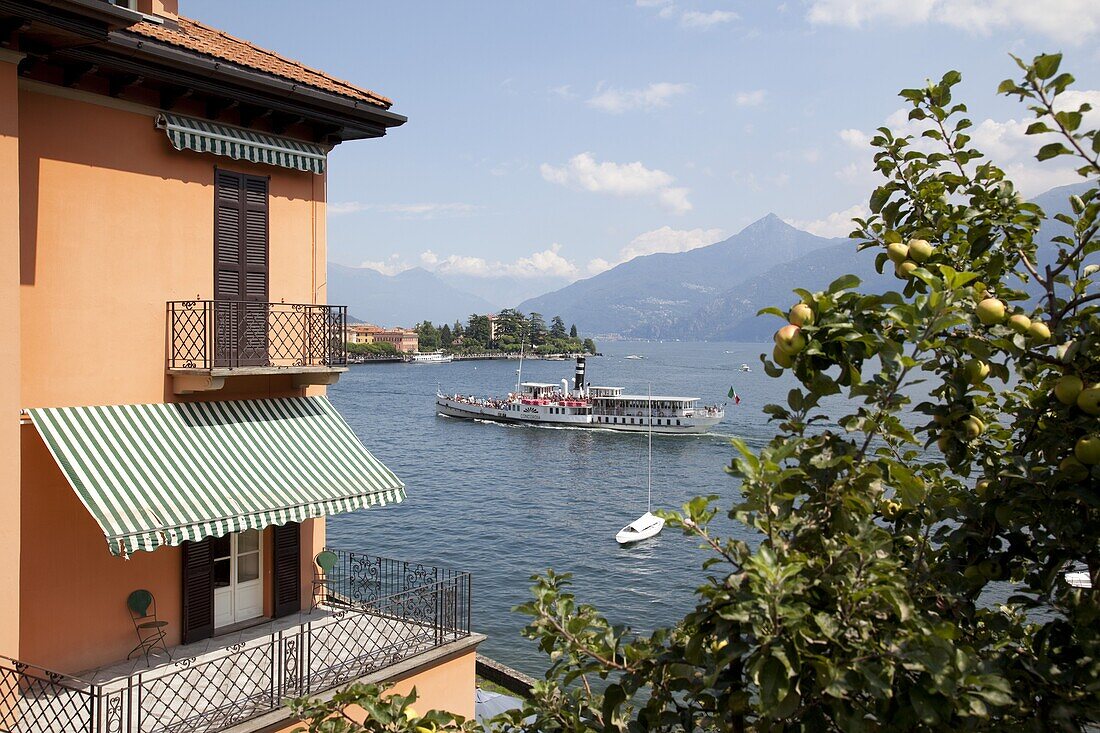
column 238, row 580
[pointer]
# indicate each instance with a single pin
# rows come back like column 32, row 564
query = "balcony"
column 383, row 617
column 210, row 340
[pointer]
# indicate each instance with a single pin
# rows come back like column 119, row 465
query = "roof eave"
column 205, row 67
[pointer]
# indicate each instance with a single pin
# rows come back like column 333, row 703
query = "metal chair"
column 150, row 630
column 322, row 577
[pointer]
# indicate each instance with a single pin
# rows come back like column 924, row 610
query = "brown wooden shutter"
column 228, row 263
column 287, row 592
column 241, row 261
column 198, row 590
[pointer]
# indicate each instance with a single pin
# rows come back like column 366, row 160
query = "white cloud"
column 655, row 95
column 856, row 138
column 565, row 91
column 619, row 179
column 667, row 239
column 338, row 208
column 406, row 211
column 391, row 266
column 837, row 224
column 699, row 19
column 1004, row 142
column 1065, row 21
column 751, row 99
column 598, row 265
column 545, row 263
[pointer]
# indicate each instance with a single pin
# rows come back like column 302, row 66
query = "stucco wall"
column 448, row 686
column 112, row 223
column 9, row 349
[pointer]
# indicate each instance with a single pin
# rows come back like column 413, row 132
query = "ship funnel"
column 565, row 387
column 578, row 379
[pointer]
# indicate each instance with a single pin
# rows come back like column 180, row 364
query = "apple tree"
column 907, row 567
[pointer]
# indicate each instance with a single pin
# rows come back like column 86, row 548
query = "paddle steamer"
column 585, row 406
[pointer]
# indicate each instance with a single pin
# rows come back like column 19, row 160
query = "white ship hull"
column 541, row 415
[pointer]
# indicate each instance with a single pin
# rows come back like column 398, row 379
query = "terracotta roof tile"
column 195, row 36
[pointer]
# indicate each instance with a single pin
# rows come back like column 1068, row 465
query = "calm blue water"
column 506, row 502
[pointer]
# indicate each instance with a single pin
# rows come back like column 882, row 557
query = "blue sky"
column 549, row 140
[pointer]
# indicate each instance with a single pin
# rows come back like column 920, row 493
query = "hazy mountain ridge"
column 650, row 296
column 403, row 299
column 705, row 294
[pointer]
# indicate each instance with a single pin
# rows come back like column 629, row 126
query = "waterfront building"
column 405, row 340
column 162, row 205
column 362, row 333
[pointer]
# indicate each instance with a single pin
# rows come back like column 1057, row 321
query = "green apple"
column 790, row 339
column 781, row 357
column 897, row 252
column 943, row 442
column 1087, row 450
column 1039, row 331
column 905, row 269
column 1019, row 323
column 1068, row 388
column 983, row 489
column 990, row 311
column 801, row 315
column 891, row 509
column 1088, row 401
column 973, row 427
column 1065, row 352
column 919, row 250
column 976, row 371
column 1073, row 469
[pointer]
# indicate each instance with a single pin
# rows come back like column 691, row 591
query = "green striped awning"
column 159, row 474
column 189, row 133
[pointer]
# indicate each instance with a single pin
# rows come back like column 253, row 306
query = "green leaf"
column 844, row 282
column 1052, row 150
column 1046, row 65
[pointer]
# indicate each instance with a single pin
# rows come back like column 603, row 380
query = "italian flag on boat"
column 734, row 396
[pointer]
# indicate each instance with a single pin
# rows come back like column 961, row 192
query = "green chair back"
column 326, row 560
column 139, row 602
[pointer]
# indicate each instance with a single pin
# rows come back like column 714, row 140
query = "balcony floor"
column 217, row 683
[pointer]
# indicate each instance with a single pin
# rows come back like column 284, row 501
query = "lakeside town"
column 210, row 523
column 506, row 334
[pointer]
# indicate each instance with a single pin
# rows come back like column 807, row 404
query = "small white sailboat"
column 745, row 368
column 633, row 356
column 648, row 525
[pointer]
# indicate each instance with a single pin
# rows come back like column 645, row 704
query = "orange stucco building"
column 162, row 229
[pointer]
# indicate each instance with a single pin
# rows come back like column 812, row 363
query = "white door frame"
column 240, row 601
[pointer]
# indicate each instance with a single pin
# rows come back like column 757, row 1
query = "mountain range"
column 705, row 294
column 404, row 299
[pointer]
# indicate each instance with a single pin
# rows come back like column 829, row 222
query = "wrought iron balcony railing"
column 229, row 334
column 406, row 609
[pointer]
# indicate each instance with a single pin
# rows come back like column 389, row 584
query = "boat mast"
column 519, row 372
column 649, row 479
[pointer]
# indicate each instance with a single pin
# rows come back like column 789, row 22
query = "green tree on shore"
column 859, row 606
column 573, row 331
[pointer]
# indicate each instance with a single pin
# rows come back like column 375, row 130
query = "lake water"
column 506, row 502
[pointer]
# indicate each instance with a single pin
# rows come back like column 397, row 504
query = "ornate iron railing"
column 230, row 334
column 218, row 690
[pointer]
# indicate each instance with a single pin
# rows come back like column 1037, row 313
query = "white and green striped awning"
column 189, row 133
column 160, row 474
